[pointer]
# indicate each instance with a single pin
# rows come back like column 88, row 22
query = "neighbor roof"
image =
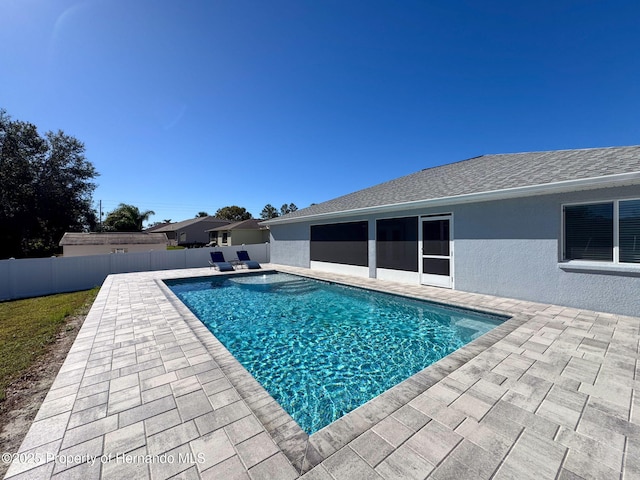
column 488, row 177
column 115, row 238
column 172, row 227
column 157, row 227
column 251, row 224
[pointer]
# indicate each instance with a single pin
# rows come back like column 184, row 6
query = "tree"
column 269, row 211
column 284, row 209
column 45, row 189
column 202, row 214
column 233, row 213
column 126, row 218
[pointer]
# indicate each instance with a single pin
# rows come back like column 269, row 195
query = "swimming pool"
column 322, row 349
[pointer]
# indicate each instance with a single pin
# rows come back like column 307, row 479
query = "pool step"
column 295, row 286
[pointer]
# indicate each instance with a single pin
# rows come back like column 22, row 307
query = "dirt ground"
column 25, row 395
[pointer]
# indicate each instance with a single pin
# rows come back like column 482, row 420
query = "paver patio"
column 148, row 392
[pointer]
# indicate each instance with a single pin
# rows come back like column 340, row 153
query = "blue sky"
column 193, row 105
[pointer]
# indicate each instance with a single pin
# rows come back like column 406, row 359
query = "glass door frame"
column 436, row 279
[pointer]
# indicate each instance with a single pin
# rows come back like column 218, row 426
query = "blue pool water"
column 322, row 349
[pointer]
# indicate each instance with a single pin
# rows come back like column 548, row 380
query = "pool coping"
column 146, row 377
column 306, row 451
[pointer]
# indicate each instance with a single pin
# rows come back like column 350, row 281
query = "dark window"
column 630, row 231
column 397, row 244
column 435, row 238
column 436, row 266
column 344, row 243
column 588, row 232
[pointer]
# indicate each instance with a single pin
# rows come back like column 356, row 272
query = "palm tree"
column 126, row 218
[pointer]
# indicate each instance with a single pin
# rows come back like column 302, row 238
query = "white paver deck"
column 148, row 392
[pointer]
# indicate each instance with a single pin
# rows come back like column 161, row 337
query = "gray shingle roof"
column 207, row 221
column 115, row 238
column 488, row 173
column 251, row 224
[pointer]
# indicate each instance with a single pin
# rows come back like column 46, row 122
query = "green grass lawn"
column 28, row 326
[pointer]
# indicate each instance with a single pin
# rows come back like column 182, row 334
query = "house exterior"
column 192, row 232
column 78, row 244
column 559, row 227
column 239, row 233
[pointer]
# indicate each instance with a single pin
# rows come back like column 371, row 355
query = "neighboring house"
column 77, row 244
column 192, row 232
column 239, row 233
column 559, row 227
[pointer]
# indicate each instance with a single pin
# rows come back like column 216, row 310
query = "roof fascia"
column 620, row 179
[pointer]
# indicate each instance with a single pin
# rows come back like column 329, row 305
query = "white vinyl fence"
column 31, row 277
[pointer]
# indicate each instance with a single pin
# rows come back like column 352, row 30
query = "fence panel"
column 5, row 278
column 30, row 277
column 130, row 262
column 80, row 273
column 197, row 257
column 168, row 260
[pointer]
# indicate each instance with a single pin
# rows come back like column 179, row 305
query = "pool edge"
column 306, row 451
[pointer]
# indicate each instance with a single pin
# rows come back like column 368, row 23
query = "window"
column 397, row 244
column 588, row 233
column 608, row 232
column 344, row 243
column 630, row 231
